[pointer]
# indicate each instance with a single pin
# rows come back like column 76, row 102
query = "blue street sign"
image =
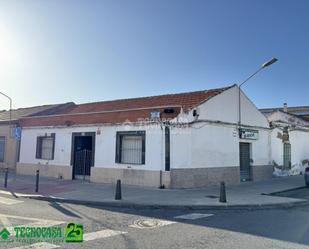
column 16, row 133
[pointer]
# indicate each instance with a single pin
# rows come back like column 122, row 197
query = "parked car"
column 307, row 177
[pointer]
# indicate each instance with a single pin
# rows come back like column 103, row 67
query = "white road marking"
column 36, row 220
column 8, row 201
column 5, row 192
column 193, row 216
column 101, row 234
column 5, row 221
column 41, row 245
column 32, row 222
column 18, row 194
column 150, row 223
column 55, row 197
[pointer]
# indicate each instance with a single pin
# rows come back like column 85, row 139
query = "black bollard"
column 118, row 190
column 222, row 192
column 6, row 174
column 161, row 185
column 37, row 181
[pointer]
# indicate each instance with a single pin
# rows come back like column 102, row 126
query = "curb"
column 284, row 191
column 125, row 204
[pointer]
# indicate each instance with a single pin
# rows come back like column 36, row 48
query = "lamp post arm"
column 239, row 94
column 250, row 76
column 10, row 99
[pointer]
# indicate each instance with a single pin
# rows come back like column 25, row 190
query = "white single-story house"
column 183, row 140
column 300, row 111
column 289, row 139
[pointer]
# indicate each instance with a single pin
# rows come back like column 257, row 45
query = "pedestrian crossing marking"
column 41, row 245
column 19, row 194
column 5, row 220
column 193, row 216
column 36, row 220
column 8, row 201
column 105, row 233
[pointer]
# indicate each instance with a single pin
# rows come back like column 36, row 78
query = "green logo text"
column 74, row 232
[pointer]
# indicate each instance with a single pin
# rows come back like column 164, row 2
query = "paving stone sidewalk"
column 246, row 195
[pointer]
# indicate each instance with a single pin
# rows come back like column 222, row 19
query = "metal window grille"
column 47, row 148
column 83, row 160
column 131, row 149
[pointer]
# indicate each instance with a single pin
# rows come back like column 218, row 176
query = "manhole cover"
column 146, row 223
column 212, row 196
column 150, row 223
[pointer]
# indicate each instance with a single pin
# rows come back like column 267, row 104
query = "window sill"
column 131, row 164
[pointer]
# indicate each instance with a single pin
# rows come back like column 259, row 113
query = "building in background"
column 290, row 135
column 300, row 111
column 181, row 140
column 10, row 132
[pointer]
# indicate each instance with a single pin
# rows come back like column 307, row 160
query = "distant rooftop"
column 292, row 109
column 300, row 111
column 30, row 111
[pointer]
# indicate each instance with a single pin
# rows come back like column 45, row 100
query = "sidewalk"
column 244, row 195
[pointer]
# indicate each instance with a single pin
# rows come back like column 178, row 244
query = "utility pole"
column 10, row 99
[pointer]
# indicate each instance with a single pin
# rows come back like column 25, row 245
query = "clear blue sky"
column 64, row 50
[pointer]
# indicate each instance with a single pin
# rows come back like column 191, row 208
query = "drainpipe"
column 162, row 156
column 165, row 152
column 167, row 148
column 269, row 147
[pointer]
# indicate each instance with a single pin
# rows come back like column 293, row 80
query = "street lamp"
column 264, row 65
column 10, row 99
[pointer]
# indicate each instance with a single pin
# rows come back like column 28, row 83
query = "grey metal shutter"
column 244, row 159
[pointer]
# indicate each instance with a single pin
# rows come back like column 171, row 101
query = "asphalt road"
column 157, row 228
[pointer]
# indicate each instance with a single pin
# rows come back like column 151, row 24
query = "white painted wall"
column 298, row 135
column 299, row 146
column 180, row 147
column 213, row 145
column 224, row 107
column 217, row 145
column 202, row 145
column 279, row 116
column 299, row 141
column 105, row 146
column 276, row 146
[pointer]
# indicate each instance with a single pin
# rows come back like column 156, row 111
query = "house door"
column 244, row 162
column 82, row 156
column 286, row 156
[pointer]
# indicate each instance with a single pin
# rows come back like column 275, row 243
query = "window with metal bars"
column 287, row 155
column 130, row 147
column 45, row 147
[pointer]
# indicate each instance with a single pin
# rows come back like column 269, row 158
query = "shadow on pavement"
column 63, row 210
column 285, row 224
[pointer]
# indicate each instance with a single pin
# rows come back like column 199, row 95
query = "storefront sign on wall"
column 248, row 134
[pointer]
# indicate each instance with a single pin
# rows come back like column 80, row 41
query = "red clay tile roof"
column 95, row 118
column 119, row 111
